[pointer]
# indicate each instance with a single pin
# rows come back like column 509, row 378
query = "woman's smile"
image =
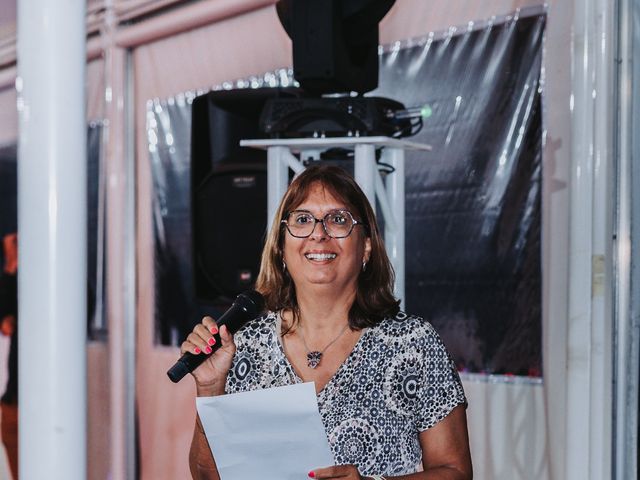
column 320, row 256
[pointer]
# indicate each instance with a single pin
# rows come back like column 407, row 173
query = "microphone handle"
column 188, row 362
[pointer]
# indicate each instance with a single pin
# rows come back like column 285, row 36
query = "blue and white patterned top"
column 398, row 381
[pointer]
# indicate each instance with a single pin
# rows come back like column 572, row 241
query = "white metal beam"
column 627, row 260
column 277, row 179
column 394, row 234
column 52, row 229
column 366, row 170
column 118, row 161
column 589, row 343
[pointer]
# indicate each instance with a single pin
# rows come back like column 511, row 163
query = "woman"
column 388, row 394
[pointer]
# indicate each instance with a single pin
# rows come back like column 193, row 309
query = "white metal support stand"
column 395, row 223
column 389, row 193
column 365, row 170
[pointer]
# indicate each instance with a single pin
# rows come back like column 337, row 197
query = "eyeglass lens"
column 337, row 224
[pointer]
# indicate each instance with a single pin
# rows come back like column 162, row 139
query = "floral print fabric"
column 397, row 382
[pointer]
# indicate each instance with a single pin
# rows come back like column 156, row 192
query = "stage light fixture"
column 335, row 42
column 335, row 61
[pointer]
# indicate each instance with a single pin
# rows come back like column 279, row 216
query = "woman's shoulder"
column 265, row 319
column 403, row 323
column 411, row 336
column 265, row 324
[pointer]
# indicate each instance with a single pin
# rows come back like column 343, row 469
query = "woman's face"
column 320, row 260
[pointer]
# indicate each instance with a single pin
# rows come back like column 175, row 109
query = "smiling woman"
column 329, row 189
column 388, row 394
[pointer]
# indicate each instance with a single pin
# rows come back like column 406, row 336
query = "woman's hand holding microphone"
column 210, row 371
column 211, row 375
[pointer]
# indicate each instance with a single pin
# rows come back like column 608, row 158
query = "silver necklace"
column 314, row 357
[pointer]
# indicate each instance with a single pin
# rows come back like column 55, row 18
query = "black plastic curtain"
column 473, row 260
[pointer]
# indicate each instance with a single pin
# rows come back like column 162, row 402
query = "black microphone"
column 246, row 307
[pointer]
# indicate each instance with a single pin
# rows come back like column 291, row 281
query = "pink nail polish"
column 214, row 330
column 212, row 341
column 207, row 350
column 312, row 474
column 197, row 350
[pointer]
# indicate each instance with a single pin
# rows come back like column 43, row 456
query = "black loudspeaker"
column 228, row 191
column 230, row 222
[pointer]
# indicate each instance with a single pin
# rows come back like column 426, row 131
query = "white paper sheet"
column 271, row 434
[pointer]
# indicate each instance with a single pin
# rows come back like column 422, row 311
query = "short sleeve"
column 258, row 362
column 441, row 389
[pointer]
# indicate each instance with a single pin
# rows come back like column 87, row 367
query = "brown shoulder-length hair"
column 374, row 297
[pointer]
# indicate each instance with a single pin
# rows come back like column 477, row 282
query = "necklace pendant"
column 313, row 359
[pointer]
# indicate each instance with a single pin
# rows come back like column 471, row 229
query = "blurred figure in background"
column 9, row 327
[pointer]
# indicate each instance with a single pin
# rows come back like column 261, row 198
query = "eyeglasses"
column 337, row 223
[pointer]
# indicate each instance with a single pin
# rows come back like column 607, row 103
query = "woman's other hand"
column 345, row 472
column 211, row 375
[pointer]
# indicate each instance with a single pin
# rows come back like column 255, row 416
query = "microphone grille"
column 251, row 301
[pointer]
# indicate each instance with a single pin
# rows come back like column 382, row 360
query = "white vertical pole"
column 589, row 378
column 120, row 244
column 627, row 334
column 365, row 170
column 581, row 205
column 277, row 179
column 394, row 239
column 602, row 280
column 52, row 230
column 129, row 269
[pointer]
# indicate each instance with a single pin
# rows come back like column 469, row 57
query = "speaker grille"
column 230, row 221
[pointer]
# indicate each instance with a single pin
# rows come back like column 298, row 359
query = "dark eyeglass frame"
column 354, row 222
